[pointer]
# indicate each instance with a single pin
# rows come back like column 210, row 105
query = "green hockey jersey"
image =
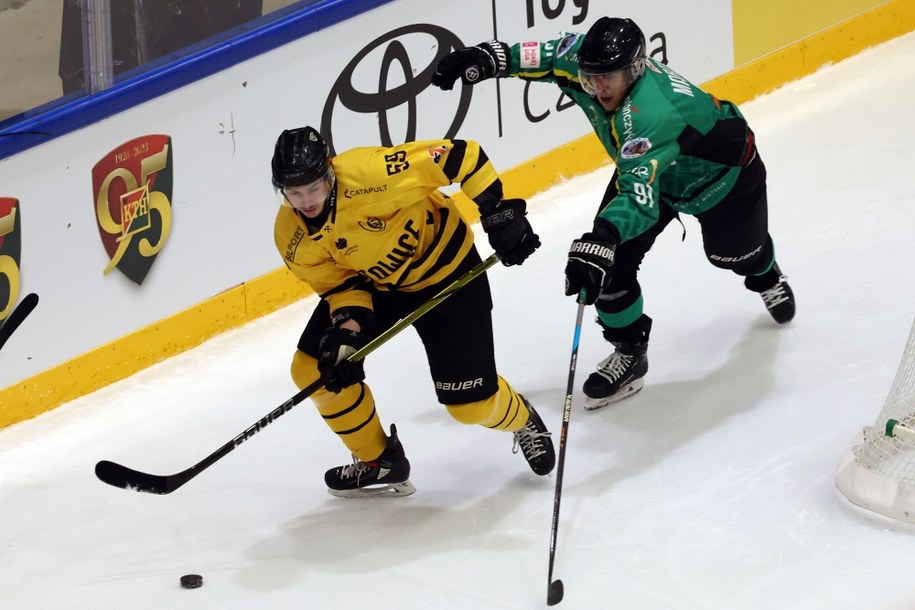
column 672, row 142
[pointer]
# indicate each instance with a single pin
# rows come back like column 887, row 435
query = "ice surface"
column 711, row 489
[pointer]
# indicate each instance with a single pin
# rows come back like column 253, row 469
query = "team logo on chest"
column 373, row 224
column 635, row 147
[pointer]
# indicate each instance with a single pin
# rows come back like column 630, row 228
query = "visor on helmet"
column 593, row 79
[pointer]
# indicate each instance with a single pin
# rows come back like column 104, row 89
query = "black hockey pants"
column 457, row 334
column 735, row 236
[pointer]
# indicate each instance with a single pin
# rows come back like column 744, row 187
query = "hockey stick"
column 22, row 311
column 555, row 590
column 127, row 478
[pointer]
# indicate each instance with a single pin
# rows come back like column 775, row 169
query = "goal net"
column 878, row 472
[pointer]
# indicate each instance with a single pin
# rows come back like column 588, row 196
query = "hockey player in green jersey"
column 676, row 149
column 371, row 233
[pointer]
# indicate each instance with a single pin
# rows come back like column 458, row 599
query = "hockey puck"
column 191, row 581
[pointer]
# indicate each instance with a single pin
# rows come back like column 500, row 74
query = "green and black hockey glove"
column 472, row 64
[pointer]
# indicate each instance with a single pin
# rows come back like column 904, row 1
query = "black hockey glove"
column 509, row 232
column 590, row 265
column 472, row 64
column 336, row 346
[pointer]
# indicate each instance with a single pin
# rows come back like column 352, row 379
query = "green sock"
column 621, row 319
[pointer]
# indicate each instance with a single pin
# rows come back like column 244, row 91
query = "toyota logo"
column 377, row 83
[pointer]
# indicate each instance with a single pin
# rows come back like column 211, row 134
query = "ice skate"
column 386, row 476
column 618, row 377
column 535, row 444
column 775, row 292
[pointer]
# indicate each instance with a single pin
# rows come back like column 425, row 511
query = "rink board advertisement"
column 100, row 279
column 147, row 215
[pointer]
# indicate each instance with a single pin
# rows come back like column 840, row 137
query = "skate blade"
column 593, row 404
column 393, row 490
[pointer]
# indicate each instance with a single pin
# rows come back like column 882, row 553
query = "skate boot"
column 534, row 442
column 620, row 375
column 775, row 292
column 617, row 377
column 388, row 475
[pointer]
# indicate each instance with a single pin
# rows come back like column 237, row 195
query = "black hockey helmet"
column 300, row 157
column 613, row 44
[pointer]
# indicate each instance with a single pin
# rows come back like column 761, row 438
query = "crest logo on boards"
column 10, row 252
column 132, row 191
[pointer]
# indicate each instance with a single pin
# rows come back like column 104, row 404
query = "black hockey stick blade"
column 554, row 593
column 127, row 478
column 22, row 311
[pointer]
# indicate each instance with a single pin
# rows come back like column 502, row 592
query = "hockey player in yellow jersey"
column 372, row 234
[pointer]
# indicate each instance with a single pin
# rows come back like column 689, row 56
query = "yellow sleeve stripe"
column 568, row 75
column 532, row 75
column 480, row 180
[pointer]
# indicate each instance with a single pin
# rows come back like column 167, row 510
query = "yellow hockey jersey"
column 389, row 225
